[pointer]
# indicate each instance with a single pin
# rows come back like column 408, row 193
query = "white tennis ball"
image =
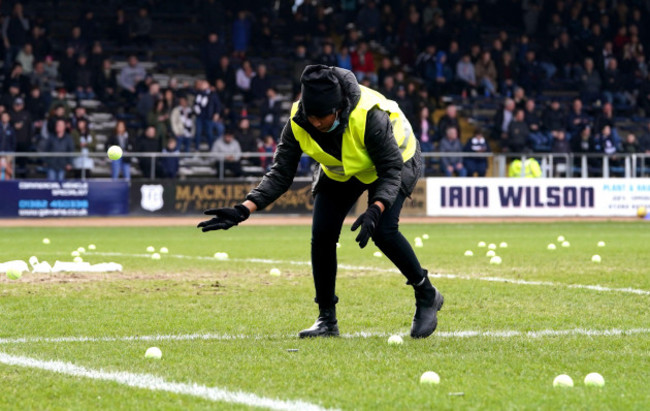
column 75, row 253
column 81, row 250
column 92, row 247
column 566, row 244
column 481, row 244
column 153, row 352
column 221, row 256
column 563, row 380
column 560, row 238
column 150, row 249
column 430, row 377
column 492, row 246
column 14, row 274
column 46, row 241
column 551, row 246
column 495, row 260
column 595, row 258
column 425, row 236
column 163, row 250
column 275, row 272
column 594, row 379
column 395, row 340
column 503, row 244
column 78, row 260
column 490, row 253
column 338, row 245
column 114, row 152
column 155, row 256
column 469, row 253
column 377, row 254
column 601, row 244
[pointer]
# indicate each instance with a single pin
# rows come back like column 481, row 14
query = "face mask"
column 334, row 124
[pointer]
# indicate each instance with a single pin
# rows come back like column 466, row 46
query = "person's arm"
column 386, row 156
column 279, row 178
column 5, row 27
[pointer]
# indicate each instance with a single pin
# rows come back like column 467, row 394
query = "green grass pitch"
column 256, row 318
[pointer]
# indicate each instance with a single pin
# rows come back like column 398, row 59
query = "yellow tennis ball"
column 14, row 274
column 114, row 152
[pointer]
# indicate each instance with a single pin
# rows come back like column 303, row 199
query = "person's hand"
column 368, row 222
column 224, row 217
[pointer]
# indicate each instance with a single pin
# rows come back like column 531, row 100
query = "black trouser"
column 332, row 203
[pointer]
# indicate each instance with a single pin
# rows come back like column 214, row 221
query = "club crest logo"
column 152, row 197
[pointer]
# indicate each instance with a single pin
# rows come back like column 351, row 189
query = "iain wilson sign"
column 528, row 197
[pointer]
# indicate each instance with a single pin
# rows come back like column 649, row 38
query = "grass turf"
column 186, row 295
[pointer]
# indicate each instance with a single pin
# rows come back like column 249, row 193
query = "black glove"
column 368, row 222
column 225, row 217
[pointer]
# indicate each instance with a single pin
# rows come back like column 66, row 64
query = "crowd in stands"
column 559, row 76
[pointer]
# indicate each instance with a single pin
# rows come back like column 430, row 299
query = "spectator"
column 268, row 146
column 405, row 104
column 270, row 113
column 425, row 64
column 363, row 63
column 120, row 29
column 36, row 107
column 83, row 79
column 141, row 28
column 476, row 165
column 260, row 83
column 213, row 50
column 147, row 101
column 590, row 83
column 77, row 43
column 182, row 123
column 248, row 141
column 245, row 75
column 225, row 97
column 44, row 81
column 606, row 118
column 450, row 144
column 206, row 109
column 226, row 73
column 96, row 57
column 517, row 140
column 89, row 26
column 7, row 134
column 343, row 59
column 385, row 69
column 486, row 74
column 159, row 118
column 554, row 118
column 129, row 77
column 577, row 119
column 121, row 139
column 105, row 83
column 465, row 76
column 519, row 97
column 148, row 143
column 40, row 43
column 57, row 113
column 560, row 146
column 169, row 165
column 84, row 141
column 425, row 130
column 613, row 84
column 67, row 64
column 539, row 141
column 449, row 119
column 26, row 59
column 507, row 73
column 369, row 21
column 241, row 34
column 59, row 142
column 15, row 31
column 17, row 78
column 327, row 57
column 502, row 119
column 23, row 126
column 229, row 149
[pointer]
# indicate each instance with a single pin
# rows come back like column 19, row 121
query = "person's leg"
column 126, row 170
column 115, row 169
column 198, row 133
column 51, row 174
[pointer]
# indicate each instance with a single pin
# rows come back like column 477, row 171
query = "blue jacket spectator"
column 7, row 134
column 169, row 165
column 241, row 33
column 451, row 144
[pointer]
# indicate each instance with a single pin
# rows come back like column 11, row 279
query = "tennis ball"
column 551, row 247
column 469, row 253
column 594, row 379
column 641, row 212
column 566, row 244
column 495, row 260
column 275, row 272
column 377, row 254
column 92, row 247
column 395, row 340
column 153, row 352
column 560, row 238
column 46, row 241
column 150, row 249
column 338, row 245
column 114, row 152
column 418, row 242
column 81, row 250
column 78, row 260
column 563, row 380
column 490, row 253
column 481, row 244
column 425, row 236
column 601, row 244
column 492, row 246
column 430, row 377
column 14, row 274
column 155, row 256
column 503, row 245
column 595, row 258
column 163, row 250
column 75, row 253
column 221, row 256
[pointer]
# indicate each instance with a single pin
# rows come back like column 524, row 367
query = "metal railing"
column 628, row 165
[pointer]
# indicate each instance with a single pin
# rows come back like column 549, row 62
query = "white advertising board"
column 528, row 197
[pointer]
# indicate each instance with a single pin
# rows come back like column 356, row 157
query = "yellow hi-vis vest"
column 355, row 161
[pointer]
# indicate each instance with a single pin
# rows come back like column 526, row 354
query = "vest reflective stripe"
column 355, row 161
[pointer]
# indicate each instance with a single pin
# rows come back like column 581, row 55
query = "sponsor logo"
column 152, row 197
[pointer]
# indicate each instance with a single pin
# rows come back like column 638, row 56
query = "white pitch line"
column 154, row 383
column 599, row 288
column 360, row 334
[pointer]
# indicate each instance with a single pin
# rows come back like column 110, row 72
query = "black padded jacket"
column 393, row 173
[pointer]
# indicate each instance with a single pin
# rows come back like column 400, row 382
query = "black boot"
column 428, row 301
column 325, row 326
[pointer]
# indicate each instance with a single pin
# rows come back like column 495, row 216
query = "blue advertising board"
column 36, row 198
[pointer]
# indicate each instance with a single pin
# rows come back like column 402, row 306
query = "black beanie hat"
column 321, row 91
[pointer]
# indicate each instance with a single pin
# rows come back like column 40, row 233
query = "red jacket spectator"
column 362, row 60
